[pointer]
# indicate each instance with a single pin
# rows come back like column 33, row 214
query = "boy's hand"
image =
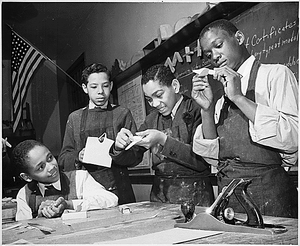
column 151, row 137
column 231, row 81
column 56, row 208
column 202, row 92
column 43, row 205
column 124, row 137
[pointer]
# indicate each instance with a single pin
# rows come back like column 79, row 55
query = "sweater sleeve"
column 181, row 152
column 133, row 156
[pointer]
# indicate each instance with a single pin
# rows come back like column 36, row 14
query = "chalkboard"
column 271, row 30
column 272, row 33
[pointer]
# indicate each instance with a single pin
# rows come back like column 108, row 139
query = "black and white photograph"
column 150, row 122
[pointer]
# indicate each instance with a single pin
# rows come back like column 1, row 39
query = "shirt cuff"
column 289, row 160
column 206, row 148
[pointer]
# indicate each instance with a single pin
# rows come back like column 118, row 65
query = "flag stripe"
column 22, row 63
column 29, row 71
column 25, row 66
column 17, row 118
column 26, row 87
column 25, row 60
column 32, row 61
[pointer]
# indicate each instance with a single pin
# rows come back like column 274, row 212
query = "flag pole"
column 46, row 57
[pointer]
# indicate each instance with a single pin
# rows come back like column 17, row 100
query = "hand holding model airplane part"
column 135, row 140
column 204, row 71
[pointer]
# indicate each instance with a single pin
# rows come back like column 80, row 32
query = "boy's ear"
column 111, row 85
column 176, row 85
column 240, row 37
column 26, row 177
column 84, row 88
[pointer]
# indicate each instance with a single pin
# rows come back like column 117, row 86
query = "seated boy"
column 49, row 191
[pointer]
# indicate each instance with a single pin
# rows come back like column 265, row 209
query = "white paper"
column 74, row 215
column 136, row 139
column 97, row 152
column 171, row 236
column 204, row 71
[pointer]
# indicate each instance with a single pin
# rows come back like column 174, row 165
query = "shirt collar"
column 245, row 70
column 43, row 187
column 92, row 105
column 176, row 106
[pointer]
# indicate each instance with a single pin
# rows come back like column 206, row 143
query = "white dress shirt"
column 176, row 106
column 91, row 195
column 276, row 117
column 93, row 105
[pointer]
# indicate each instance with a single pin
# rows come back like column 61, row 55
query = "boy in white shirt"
column 256, row 131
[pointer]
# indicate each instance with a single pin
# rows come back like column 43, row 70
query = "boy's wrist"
column 208, row 112
column 239, row 99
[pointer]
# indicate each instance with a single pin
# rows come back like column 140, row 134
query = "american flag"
column 24, row 61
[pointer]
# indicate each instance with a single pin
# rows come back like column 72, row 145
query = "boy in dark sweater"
column 168, row 131
column 97, row 118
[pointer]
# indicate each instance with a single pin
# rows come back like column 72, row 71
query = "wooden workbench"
column 145, row 217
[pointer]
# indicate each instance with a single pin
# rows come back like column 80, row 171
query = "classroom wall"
column 111, row 31
column 45, row 109
column 119, row 30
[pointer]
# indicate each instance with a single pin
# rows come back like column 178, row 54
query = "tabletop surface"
column 107, row 225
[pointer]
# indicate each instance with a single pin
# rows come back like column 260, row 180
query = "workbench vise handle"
column 254, row 217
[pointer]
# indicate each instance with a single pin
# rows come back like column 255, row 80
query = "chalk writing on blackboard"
column 272, row 33
column 275, row 35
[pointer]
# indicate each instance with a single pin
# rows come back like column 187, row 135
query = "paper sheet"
column 171, row 236
column 97, row 152
column 204, row 71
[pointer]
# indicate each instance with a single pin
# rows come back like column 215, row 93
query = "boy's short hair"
column 94, row 68
column 221, row 24
column 159, row 72
column 20, row 154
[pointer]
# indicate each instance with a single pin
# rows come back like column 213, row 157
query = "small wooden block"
column 74, row 215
